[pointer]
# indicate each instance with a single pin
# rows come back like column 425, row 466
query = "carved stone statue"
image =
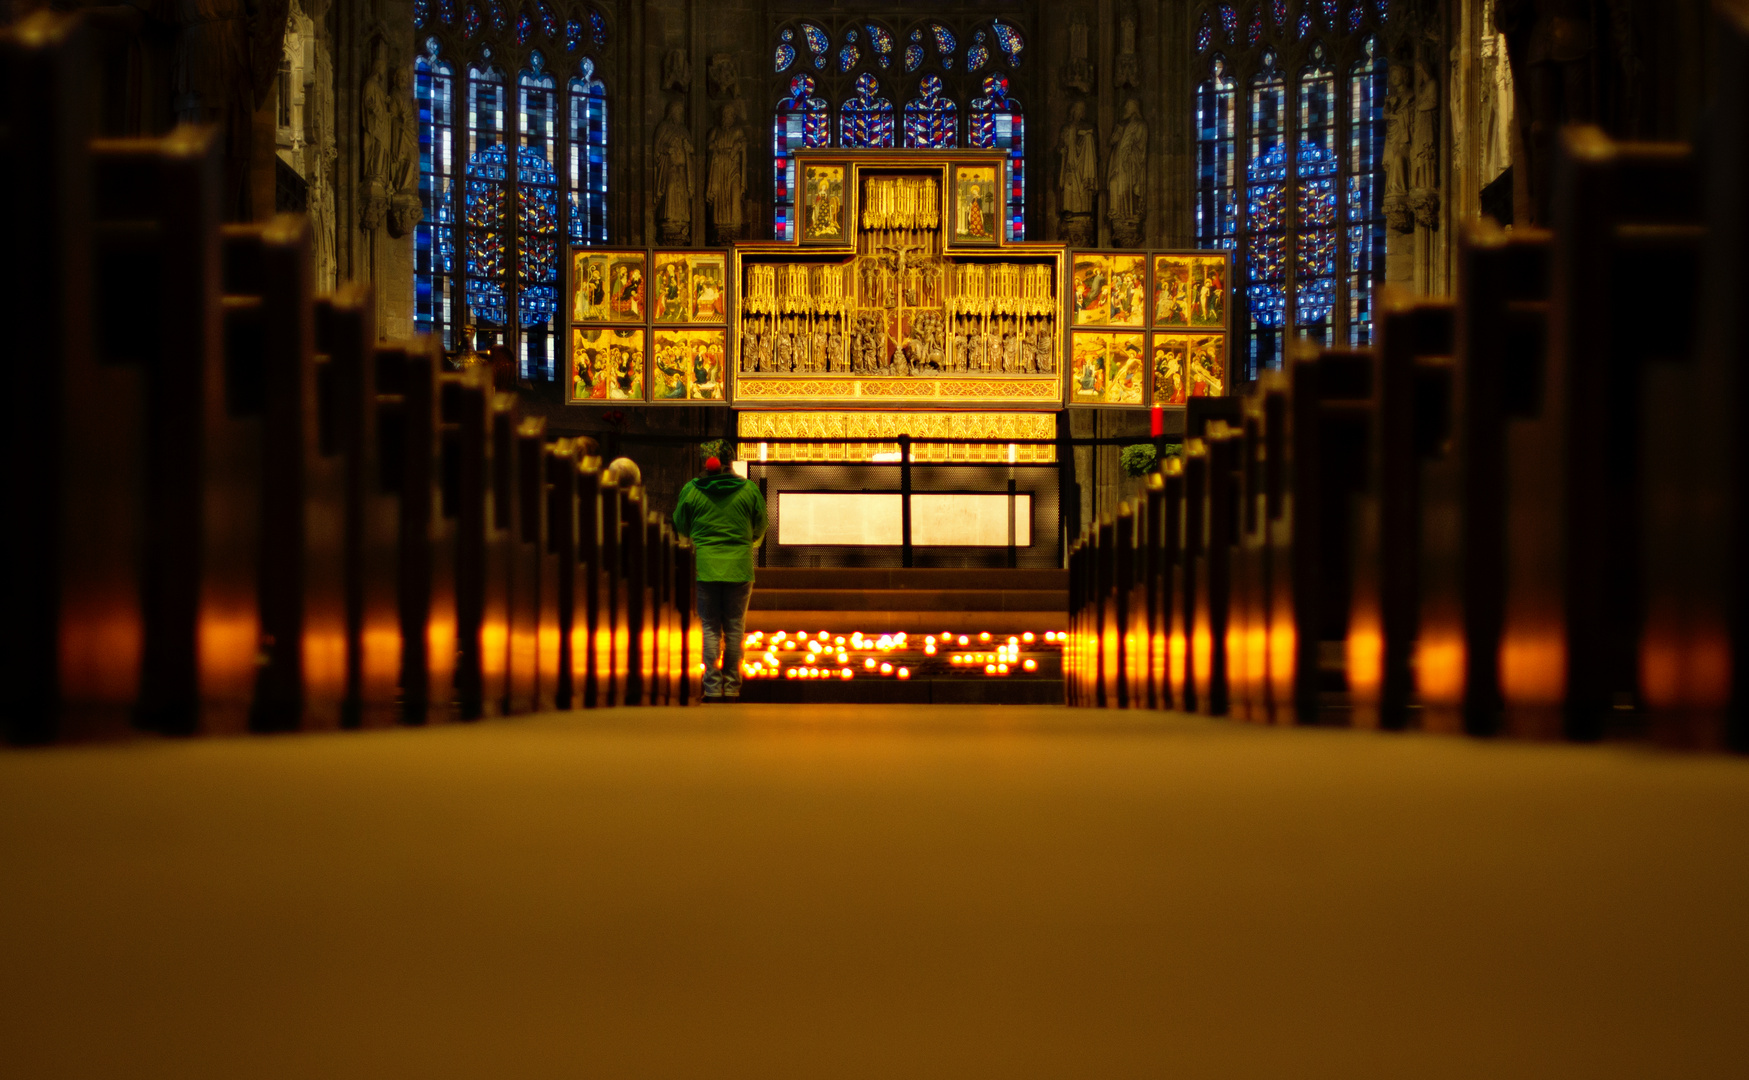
column 320, row 151
column 225, row 58
column 723, row 76
column 674, row 166
column 1399, row 121
column 676, row 72
column 405, row 209
column 726, row 187
column 1077, row 176
column 1078, row 70
column 1424, row 175
column 1127, row 176
column 373, row 108
column 1126, row 70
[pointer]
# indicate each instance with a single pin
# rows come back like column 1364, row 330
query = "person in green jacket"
column 724, row 517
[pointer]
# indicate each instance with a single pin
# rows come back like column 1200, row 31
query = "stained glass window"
column 421, row 13
column 1230, row 22
column 1256, row 31
column 997, row 123
column 446, row 10
column 801, row 122
column 434, row 243
column 1205, row 34
column 931, row 121
column 1366, row 219
column 1315, row 237
column 1288, row 175
column 851, row 104
column 512, row 171
column 866, row 120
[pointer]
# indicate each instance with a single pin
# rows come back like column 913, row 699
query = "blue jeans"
column 722, row 608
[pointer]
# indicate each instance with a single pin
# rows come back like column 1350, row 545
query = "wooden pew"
column 157, row 213
column 615, row 594
column 1138, row 640
column 410, row 419
column 1193, row 535
column 667, row 657
column 691, row 629
column 1151, row 630
column 1169, row 672
column 371, row 454
column 482, row 509
column 1207, row 613
column 594, row 596
column 1247, row 612
column 1110, row 601
column 1500, row 335
column 1072, row 681
column 1407, row 424
column 533, row 534
column 1693, row 659
column 635, row 587
column 301, row 683
column 570, row 615
column 521, row 565
column 74, row 479
column 1324, row 406
column 1574, row 591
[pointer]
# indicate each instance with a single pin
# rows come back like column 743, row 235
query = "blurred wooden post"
column 596, row 639
column 1414, row 335
column 302, row 682
column 1190, row 564
column 157, row 207
column 1500, row 343
column 411, row 413
column 74, row 478
column 1693, row 657
column 371, row 456
column 1168, row 603
column 1250, row 577
column 1208, row 612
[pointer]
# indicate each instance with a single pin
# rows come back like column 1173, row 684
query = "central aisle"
column 869, row 891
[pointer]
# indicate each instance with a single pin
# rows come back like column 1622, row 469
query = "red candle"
column 1157, row 421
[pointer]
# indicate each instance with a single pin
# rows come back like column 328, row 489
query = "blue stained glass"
column 597, row 28
column 434, row 245
column 880, row 38
column 867, row 119
column 1217, row 189
column 818, row 43
column 537, row 234
column 976, row 57
column 573, row 35
column 549, row 22
column 1355, row 14
column 523, row 22
column 848, row 56
column 851, row 36
column 1384, row 9
column 486, row 223
column 786, row 55
column 944, row 40
column 1332, row 13
column 931, row 121
column 913, row 56
column 446, row 10
column 1205, row 34
column 421, row 12
column 588, row 161
column 1278, row 10
column 1256, row 32
column 997, row 123
column 801, row 121
column 1305, row 25
column 1010, row 41
column 497, row 9
column 471, row 22
column 1366, row 225
column 789, row 35
column 1230, row 22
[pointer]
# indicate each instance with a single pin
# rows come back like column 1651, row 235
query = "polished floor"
column 872, row 891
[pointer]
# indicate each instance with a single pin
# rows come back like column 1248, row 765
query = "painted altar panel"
column 901, row 295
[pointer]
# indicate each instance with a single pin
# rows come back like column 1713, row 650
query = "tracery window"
column 838, row 82
column 1289, row 170
column 513, row 167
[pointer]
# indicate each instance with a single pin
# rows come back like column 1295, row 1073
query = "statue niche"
column 726, row 186
column 1077, row 177
column 1127, row 175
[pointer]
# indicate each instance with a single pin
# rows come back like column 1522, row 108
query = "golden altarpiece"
column 897, row 309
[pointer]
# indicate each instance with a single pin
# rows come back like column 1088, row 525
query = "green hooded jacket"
column 724, row 517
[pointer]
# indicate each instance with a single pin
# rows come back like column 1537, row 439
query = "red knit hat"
column 711, row 464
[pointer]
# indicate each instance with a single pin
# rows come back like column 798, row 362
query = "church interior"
column 1250, row 585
